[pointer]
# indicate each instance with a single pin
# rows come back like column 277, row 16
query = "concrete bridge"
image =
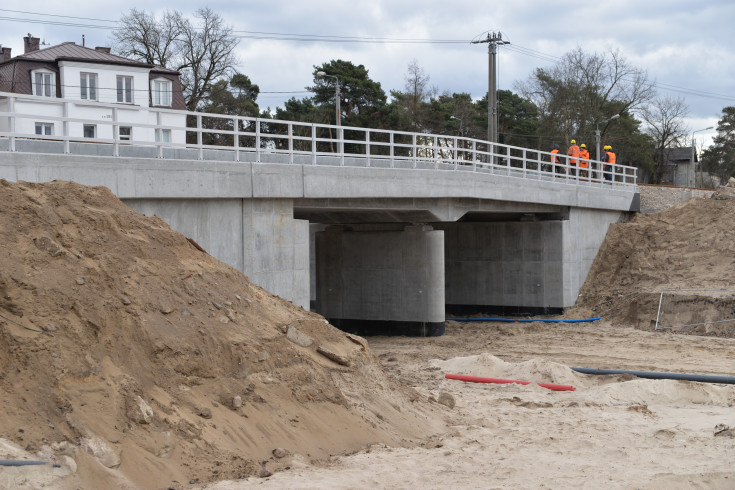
column 379, row 231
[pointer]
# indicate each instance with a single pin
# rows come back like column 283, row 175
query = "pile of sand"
column 132, row 358
column 687, row 247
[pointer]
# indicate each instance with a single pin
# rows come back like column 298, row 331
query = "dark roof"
column 673, row 155
column 70, row 51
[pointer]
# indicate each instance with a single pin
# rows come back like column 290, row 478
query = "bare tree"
column 203, row 51
column 583, row 89
column 416, row 83
column 143, row 37
column 664, row 119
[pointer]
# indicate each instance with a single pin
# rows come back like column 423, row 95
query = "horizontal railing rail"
column 231, row 137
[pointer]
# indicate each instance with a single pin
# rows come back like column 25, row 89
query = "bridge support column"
column 381, row 281
column 521, row 266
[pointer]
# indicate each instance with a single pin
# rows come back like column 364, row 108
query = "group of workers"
column 579, row 156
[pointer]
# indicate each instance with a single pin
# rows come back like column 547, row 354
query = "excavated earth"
column 133, row 359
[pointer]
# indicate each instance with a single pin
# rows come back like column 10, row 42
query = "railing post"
column 11, row 123
column 436, row 155
column 290, row 142
column 236, row 138
column 341, row 145
column 391, row 149
column 65, row 128
column 159, row 121
column 199, row 137
column 415, row 150
column 115, row 134
column 456, row 153
column 507, row 158
column 523, row 162
column 257, row 140
column 474, row 156
column 313, row 144
column 367, row 146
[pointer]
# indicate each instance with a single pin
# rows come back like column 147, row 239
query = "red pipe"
column 480, row 379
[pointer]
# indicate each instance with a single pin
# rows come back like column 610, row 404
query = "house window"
column 45, row 129
column 126, row 133
column 90, row 131
column 161, row 89
column 125, row 89
column 163, row 136
column 44, row 83
column 88, row 84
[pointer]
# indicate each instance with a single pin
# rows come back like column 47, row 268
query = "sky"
column 686, row 47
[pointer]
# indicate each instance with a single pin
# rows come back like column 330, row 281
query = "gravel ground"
column 657, row 198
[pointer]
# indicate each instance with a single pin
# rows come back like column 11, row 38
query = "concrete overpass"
column 383, row 237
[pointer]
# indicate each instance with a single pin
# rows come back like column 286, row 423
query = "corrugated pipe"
column 702, row 378
column 480, row 379
column 524, row 320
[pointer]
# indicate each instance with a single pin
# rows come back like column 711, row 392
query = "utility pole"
column 492, row 40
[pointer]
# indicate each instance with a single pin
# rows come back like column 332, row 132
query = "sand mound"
column 688, row 246
column 489, row 366
column 148, row 363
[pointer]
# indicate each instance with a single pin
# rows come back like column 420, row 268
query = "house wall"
column 106, row 79
column 51, row 111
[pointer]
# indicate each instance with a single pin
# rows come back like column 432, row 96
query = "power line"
column 278, row 36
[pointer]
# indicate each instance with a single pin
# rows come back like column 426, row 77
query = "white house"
column 82, row 93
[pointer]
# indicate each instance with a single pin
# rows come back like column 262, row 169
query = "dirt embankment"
column 133, row 359
column 686, row 247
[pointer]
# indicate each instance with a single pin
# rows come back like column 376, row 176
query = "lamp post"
column 460, row 123
column 321, row 74
column 597, row 133
column 691, row 176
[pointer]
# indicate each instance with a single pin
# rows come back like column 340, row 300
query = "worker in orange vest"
column 609, row 159
column 573, row 153
column 555, row 160
column 584, row 160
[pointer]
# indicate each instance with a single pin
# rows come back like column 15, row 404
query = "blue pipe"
column 524, row 320
column 703, row 378
column 25, row 462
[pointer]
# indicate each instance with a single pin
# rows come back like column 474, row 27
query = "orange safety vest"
column 553, row 155
column 584, row 158
column 574, row 153
column 610, row 157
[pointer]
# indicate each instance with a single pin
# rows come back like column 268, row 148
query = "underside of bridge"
column 399, row 267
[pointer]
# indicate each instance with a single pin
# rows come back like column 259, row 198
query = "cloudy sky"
column 687, row 47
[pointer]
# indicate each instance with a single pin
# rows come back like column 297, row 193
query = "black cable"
column 23, row 326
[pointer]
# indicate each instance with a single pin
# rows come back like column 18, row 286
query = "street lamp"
column 321, row 74
column 692, row 179
column 597, row 133
column 460, row 123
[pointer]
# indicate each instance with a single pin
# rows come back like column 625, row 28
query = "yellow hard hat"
column 583, row 145
column 607, row 147
column 574, row 142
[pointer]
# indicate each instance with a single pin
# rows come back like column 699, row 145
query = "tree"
column 719, row 159
column 665, row 125
column 222, row 100
column 203, row 52
column 360, row 97
column 583, row 89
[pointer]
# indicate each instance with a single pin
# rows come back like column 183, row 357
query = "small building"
column 80, row 93
column 678, row 170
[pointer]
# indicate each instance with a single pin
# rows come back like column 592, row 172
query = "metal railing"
column 194, row 135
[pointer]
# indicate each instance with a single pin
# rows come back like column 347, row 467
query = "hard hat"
column 607, row 147
column 583, row 145
column 574, row 142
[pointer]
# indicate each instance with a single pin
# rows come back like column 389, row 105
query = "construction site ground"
column 131, row 359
